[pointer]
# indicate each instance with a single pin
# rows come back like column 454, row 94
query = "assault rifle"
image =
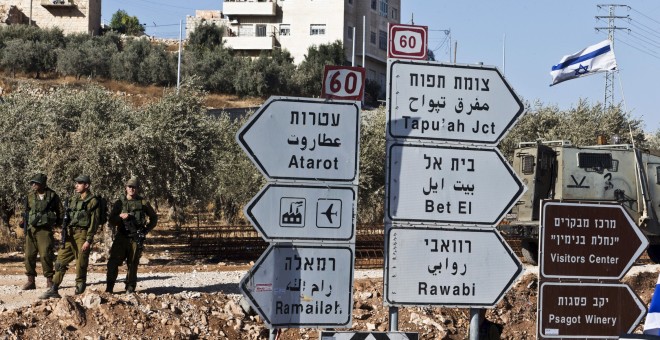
column 136, row 233
column 66, row 220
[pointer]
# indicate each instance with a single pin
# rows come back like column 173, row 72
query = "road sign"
column 325, row 335
column 343, row 82
column 408, row 41
column 448, row 267
column 455, row 103
column 449, row 185
column 302, row 286
column 588, row 310
column 295, row 212
column 588, row 241
column 304, row 139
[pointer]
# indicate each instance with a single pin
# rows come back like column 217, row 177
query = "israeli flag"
column 595, row 58
column 652, row 323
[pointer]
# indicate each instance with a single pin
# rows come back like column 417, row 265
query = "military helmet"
column 133, row 182
column 39, row 179
column 82, row 179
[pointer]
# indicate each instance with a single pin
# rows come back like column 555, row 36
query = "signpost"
column 302, row 286
column 326, row 335
column 584, row 310
column 454, row 103
column 448, row 267
column 343, row 82
column 408, row 42
column 588, row 241
column 449, row 185
column 304, row 139
column 288, row 212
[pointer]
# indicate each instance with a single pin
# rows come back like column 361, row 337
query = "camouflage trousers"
column 39, row 241
column 123, row 249
column 73, row 251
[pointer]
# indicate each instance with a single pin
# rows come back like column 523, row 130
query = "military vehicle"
column 602, row 173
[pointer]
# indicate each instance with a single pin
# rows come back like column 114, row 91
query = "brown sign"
column 588, row 310
column 588, row 241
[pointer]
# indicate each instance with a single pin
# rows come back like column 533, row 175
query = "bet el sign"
column 408, row 42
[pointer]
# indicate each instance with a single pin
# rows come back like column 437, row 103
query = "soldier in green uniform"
column 44, row 212
column 83, row 208
column 134, row 218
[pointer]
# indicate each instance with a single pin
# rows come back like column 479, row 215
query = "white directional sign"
column 457, row 103
column 448, row 267
column 295, row 212
column 302, row 286
column 303, row 138
column 449, row 185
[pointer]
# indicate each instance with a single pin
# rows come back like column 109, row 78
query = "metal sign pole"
column 394, row 319
column 475, row 320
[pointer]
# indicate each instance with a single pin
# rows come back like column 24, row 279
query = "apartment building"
column 72, row 16
column 256, row 25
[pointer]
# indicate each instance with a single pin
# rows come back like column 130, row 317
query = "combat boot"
column 109, row 287
column 29, row 285
column 80, row 288
column 49, row 282
column 130, row 289
column 50, row 293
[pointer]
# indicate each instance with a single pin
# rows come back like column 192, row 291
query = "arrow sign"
column 302, row 286
column 295, row 212
column 448, row 267
column 459, row 103
column 439, row 184
column 588, row 241
column 588, row 310
column 302, row 138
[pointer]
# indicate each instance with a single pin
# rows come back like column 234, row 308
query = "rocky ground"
column 201, row 301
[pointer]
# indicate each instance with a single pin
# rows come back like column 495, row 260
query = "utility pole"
column 611, row 28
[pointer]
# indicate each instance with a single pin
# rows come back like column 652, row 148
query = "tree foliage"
column 123, row 23
column 309, row 75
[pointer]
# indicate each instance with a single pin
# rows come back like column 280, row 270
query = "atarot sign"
column 588, row 241
column 304, row 139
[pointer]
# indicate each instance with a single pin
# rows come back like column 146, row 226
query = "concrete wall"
column 75, row 16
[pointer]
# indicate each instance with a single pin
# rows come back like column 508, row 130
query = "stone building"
column 72, row 16
column 204, row 17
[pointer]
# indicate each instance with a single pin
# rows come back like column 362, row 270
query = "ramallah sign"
column 588, row 241
column 288, row 212
column 302, row 286
column 449, row 185
column 447, row 102
column 408, row 42
column 588, row 310
column 448, row 267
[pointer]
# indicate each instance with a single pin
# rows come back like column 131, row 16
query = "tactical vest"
column 38, row 215
column 136, row 208
column 81, row 212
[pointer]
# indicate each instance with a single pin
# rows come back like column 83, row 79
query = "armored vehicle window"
column 527, row 164
column 657, row 175
column 588, row 160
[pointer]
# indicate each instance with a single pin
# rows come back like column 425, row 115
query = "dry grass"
column 138, row 95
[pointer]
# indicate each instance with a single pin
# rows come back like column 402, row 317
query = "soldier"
column 44, row 211
column 134, row 218
column 83, row 208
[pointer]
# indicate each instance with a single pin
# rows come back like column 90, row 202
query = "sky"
column 523, row 38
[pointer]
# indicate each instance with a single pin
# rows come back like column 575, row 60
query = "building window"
column 261, row 30
column 246, row 31
column 349, row 32
column 316, row 29
column 373, row 4
column 285, row 29
column 395, row 13
column 373, row 38
column 383, row 8
column 382, row 40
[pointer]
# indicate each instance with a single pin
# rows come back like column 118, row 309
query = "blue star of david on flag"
column 593, row 59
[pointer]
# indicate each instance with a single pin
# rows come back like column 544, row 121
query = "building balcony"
column 57, row 3
column 250, row 42
column 249, row 7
